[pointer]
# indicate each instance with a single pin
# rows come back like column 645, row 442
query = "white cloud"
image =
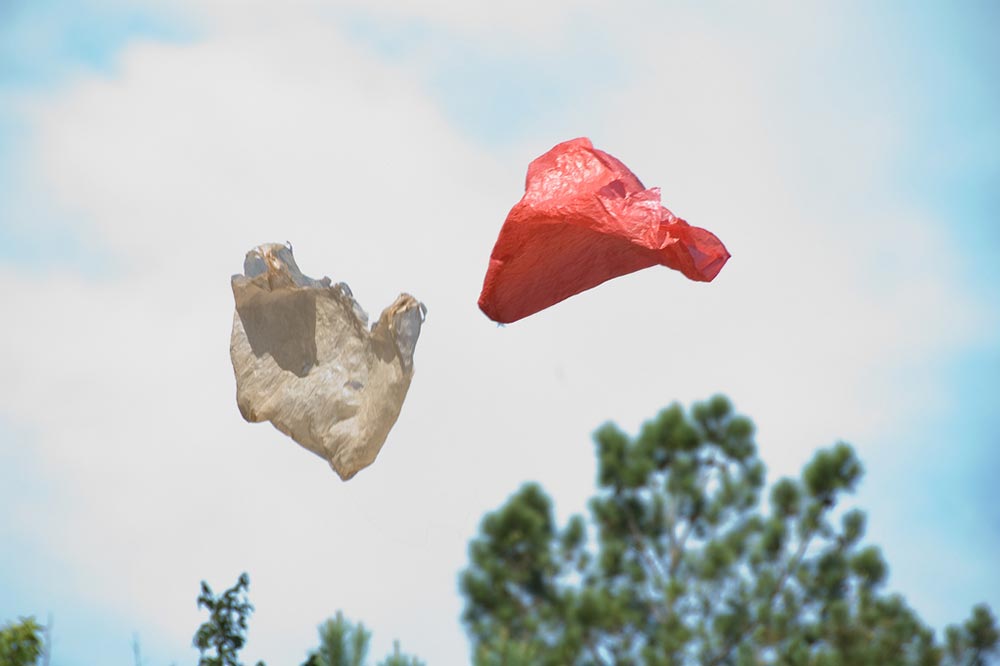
column 273, row 127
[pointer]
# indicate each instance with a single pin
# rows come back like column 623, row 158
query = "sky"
column 848, row 156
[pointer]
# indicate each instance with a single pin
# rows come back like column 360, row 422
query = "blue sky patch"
column 495, row 95
column 44, row 43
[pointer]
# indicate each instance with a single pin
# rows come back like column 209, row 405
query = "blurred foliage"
column 220, row 638
column 21, row 643
column 681, row 563
column 342, row 643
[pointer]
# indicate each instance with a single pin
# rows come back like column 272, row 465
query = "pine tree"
column 680, row 565
column 342, row 643
column 224, row 632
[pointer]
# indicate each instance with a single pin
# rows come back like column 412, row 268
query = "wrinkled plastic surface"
column 585, row 219
column 306, row 361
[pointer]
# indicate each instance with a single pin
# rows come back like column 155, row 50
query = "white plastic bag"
column 306, row 361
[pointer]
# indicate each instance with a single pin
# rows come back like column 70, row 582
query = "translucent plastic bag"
column 306, row 361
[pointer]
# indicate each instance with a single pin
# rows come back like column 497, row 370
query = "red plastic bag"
column 585, row 219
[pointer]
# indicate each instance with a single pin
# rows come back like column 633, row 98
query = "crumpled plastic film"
column 585, row 219
column 306, row 361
